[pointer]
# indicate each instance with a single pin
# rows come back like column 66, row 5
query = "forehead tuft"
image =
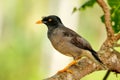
column 50, row 17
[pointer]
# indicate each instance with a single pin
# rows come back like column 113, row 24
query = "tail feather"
column 96, row 56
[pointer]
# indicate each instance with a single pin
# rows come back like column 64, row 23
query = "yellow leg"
column 66, row 68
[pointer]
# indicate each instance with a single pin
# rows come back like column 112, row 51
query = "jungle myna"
column 66, row 41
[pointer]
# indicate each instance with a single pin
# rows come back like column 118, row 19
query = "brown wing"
column 77, row 40
column 81, row 43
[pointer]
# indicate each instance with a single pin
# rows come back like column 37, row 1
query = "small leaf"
column 103, row 19
column 113, row 3
column 115, row 14
column 74, row 10
column 89, row 3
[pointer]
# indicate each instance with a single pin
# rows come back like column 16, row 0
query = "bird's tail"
column 96, row 56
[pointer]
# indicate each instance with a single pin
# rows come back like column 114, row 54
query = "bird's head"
column 50, row 21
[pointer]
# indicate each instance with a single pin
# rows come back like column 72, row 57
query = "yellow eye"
column 49, row 20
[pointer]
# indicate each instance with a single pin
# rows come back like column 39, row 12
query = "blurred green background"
column 25, row 51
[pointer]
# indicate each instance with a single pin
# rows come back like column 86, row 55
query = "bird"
column 67, row 41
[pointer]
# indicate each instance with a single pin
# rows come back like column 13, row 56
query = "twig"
column 117, row 36
column 110, row 32
column 106, row 75
column 109, row 42
column 116, row 45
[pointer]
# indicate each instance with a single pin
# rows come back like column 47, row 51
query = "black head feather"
column 52, row 20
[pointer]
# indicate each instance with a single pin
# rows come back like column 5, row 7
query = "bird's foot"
column 66, row 69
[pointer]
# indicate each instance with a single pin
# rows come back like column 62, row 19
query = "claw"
column 69, row 71
column 63, row 70
column 66, row 68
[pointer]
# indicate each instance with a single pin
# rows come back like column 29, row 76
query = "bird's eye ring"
column 49, row 20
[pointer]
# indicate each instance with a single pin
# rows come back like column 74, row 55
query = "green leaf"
column 103, row 18
column 74, row 9
column 89, row 3
column 115, row 14
column 113, row 3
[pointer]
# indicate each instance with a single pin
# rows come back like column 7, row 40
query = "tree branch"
column 116, row 45
column 110, row 32
column 107, row 47
column 117, row 36
column 79, row 70
column 85, row 66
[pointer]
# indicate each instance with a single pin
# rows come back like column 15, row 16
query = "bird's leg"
column 69, row 65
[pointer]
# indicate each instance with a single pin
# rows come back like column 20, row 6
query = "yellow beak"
column 39, row 22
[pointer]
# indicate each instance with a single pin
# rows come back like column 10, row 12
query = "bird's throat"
column 50, row 30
